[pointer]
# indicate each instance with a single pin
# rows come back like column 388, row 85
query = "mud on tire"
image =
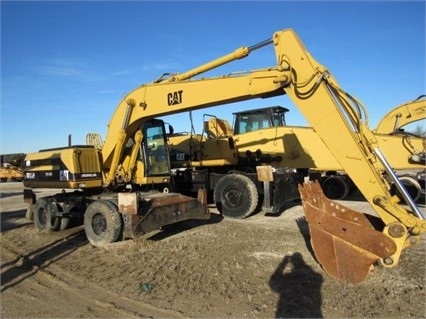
column 236, row 196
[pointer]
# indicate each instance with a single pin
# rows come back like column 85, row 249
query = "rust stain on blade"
column 171, row 200
column 339, row 258
column 344, row 241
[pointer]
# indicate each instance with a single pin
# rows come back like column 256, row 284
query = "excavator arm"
column 346, row 243
column 341, row 122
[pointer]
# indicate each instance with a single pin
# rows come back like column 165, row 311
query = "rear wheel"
column 103, row 223
column 43, row 219
column 335, row 187
column 236, row 196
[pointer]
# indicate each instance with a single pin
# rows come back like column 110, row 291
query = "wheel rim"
column 233, row 197
column 99, row 224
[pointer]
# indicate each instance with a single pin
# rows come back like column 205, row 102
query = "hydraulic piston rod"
column 398, row 184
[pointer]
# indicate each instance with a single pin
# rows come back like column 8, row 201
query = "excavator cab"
column 257, row 119
column 155, row 150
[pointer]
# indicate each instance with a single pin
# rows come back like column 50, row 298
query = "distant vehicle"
column 11, row 168
column 9, row 172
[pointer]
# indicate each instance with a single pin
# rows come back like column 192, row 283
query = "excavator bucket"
column 344, row 241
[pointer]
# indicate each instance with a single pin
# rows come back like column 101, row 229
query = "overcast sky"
column 65, row 66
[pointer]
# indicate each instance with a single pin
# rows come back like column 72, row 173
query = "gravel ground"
column 259, row 267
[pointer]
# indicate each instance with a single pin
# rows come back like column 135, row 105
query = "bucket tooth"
column 344, row 241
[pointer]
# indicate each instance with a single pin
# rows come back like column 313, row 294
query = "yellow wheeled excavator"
column 111, row 182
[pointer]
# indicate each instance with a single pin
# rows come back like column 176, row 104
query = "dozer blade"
column 146, row 212
column 344, row 241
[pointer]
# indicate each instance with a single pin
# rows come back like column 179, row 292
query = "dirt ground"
column 259, row 267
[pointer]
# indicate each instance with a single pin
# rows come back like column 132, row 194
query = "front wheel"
column 103, row 223
column 236, row 196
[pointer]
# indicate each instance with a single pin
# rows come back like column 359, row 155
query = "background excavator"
column 395, row 123
column 111, row 182
column 262, row 136
column 402, row 115
column 11, row 167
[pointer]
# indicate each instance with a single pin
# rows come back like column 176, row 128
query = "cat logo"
column 174, row 98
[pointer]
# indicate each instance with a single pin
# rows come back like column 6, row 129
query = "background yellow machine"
column 113, row 181
column 402, row 115
column 11, row 167
column 262, row 137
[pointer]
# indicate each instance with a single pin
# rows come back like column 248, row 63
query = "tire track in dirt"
column 45, row 285
column 44, row 288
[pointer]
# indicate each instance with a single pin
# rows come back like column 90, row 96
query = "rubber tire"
column 412, row 187
column 103, row 223
column 236, row 196
column 335, row 187
column 43, row 220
